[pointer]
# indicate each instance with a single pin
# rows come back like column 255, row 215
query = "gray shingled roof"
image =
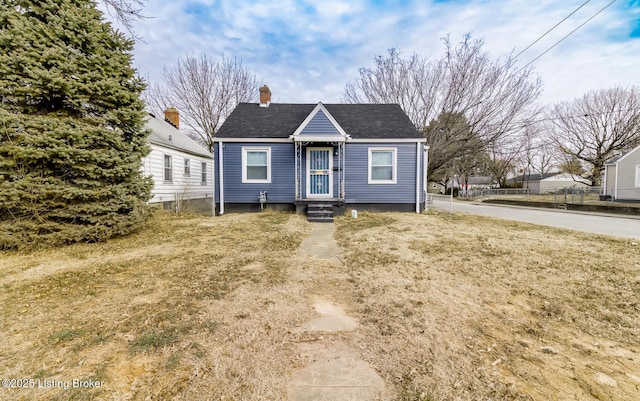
column 532, row 177
column 280, row 120
column 165, row 134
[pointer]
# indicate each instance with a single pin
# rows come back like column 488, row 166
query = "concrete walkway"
column 321, row 244
column 338, row 372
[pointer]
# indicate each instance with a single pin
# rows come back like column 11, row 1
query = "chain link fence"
column 189, row 202
column 555, row 195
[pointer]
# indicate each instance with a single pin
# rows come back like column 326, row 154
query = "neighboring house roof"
column 563, row 177
column 616, row 159
column 532, row 177
column 281, row 120
column 480, row 180
column 165, row 134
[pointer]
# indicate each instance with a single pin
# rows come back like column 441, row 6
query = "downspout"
column 417, row 177
column 295, row 169
column 344, row 170
column 615, row 183
column 221, row 168
column 604, row 180
column 213, row 171
column 425, row 161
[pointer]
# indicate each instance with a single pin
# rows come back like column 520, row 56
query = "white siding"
column 626, row 184
column 184, row 187
column 611, row 180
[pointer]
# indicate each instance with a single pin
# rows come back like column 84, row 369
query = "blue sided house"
column 319, row 158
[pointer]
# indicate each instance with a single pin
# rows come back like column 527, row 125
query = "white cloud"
column 306, row 51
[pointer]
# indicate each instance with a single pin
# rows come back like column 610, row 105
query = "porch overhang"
column 320, row 138
column 336, row 157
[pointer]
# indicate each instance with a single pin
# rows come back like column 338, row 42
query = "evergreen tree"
column 71, row 126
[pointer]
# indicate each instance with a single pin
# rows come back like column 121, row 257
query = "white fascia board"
column 632, row 151
column 319, row 107
column 386, row 140
column 254, row 140
column 318, row 138
column 181, row 149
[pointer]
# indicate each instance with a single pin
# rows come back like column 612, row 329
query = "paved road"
column 591, row 223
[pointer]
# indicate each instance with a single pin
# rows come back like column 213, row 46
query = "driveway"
column 628, row 227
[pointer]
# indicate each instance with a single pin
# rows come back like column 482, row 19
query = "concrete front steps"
column 320, row 210
column 320, row 213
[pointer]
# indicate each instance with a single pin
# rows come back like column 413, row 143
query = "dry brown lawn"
column 450, row 308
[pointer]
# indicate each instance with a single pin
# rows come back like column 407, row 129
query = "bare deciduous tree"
column 205, row 91
column 414, row 83
column 502, row 157
column 125, row 11
column 597, row 126
column 495, row 97
column 538, row 154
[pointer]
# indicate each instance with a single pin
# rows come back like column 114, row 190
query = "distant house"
column 472, row 184
column 549, row 182
column 181, row 169
column 482, row 182
column 319, row 158
column 622, row 176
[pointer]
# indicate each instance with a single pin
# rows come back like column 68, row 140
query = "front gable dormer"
column 319, row 126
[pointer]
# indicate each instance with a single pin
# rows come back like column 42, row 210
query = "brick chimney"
column 265, row 96
column 172, row 116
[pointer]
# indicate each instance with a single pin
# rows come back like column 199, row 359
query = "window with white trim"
column 637, row 175
column 187, row 167
column 204, row 173
column 382, row 165
column 168, row 171
column 256, row 165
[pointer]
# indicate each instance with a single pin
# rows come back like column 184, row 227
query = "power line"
column 567, row 35
column 526, row 123
column 554, row 27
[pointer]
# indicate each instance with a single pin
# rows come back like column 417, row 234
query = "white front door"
column 319, row 172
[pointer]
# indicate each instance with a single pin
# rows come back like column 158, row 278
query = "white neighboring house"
column 622, row 176
column 561, row 181
column 550, row 182
column 181, row 169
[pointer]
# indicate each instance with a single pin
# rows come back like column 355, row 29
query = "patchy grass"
column 467, row 307
column 154, row 312
column 449, row 307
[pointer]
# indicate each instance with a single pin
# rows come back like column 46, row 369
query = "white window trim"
column 187, row 164
column 165, row 168
column 244, row 165
column 308, row 175
column 637, row 175
column 204, row 173
column 394, row 166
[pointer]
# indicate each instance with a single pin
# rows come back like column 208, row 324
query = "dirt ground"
column 449, row 308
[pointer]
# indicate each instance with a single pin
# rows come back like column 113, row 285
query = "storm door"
column 319, row 172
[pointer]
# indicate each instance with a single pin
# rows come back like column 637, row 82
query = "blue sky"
column 306, row 51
